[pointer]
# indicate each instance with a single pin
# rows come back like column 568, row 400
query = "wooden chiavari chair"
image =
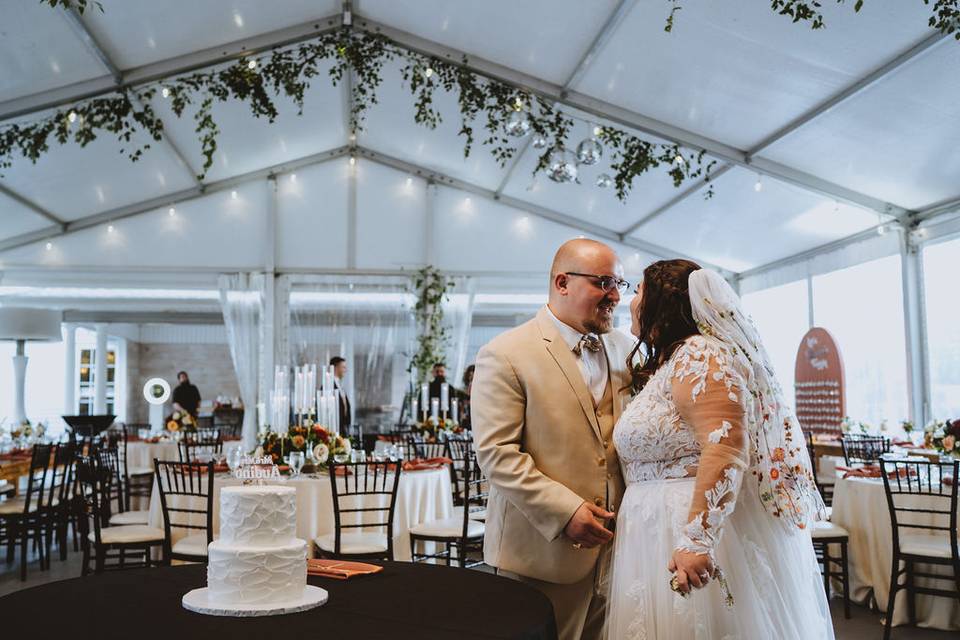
column 186, row 499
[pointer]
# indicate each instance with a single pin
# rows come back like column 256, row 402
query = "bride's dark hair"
column 664, row 316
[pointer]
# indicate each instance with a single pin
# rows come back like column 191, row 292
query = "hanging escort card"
column 819, row 383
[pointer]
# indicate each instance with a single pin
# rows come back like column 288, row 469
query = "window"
column 87, row 364
column 862, row 306
column 943, row 328
column 782, row 317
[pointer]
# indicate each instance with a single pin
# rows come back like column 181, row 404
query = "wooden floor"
column 864, row 624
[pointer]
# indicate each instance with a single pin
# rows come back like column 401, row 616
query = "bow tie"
column 590, row 341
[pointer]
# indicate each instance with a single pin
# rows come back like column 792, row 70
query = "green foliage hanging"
column 431, row 288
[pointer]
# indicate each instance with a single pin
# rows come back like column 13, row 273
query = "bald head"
column 578, row 300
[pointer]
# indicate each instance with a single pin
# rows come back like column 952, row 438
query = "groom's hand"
column 586, row 526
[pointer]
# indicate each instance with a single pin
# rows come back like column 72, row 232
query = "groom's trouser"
column 580, row 608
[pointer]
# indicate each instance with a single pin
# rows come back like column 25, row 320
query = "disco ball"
column 539, row 142
column 562, row 166
column 604, row 181
column 589, row 152
column 518, row 124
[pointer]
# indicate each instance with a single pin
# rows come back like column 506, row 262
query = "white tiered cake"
column 258, row 566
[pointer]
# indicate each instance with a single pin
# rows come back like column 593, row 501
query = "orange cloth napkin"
column 421, row 464
column 339, row 569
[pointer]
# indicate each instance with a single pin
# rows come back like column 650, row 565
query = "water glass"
column 296, row 460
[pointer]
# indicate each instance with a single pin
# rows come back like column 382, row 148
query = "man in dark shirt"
column 186, row 396
column 339, row 371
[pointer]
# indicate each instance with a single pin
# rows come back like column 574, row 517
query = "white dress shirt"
column 593, row 364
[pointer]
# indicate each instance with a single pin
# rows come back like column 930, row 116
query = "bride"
column 712, row 536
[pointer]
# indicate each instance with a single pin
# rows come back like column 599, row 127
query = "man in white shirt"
column 546, row 396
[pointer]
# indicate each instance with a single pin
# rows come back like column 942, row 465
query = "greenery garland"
column 945, row 18
column 431, row 288
column 258, row 81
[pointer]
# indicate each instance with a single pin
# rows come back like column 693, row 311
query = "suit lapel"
column 615, row 366
column 565, row 359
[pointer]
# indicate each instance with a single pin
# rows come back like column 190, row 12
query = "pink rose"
column 949, row 442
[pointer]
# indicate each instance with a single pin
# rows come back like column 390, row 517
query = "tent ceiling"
column 727, row 76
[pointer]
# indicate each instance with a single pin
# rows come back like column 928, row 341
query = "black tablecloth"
column 404, row 601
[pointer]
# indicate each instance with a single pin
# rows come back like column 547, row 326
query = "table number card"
column 819, row 383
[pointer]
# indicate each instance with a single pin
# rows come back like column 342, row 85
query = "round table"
column 141, row 453
column 404, row 601
column 421, row 496
column 860, row 507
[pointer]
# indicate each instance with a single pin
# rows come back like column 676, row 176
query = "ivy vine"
column 79, row 5
column 945, row 18
column 484, row 104
column 431, row 288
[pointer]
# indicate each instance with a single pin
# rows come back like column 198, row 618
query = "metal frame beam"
column 527, row 207
column 165, row 200
column 168, row 67
column 30, row 204
column 630, row 119
column 677, row 199
column 599, row 41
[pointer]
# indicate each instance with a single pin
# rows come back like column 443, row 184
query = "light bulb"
column 110, row 228
column 409, row 182
column 466, row 201
column 597, row 131
column 171, row 212
column 428, row 72
column 518, row 104
column 165, row 92
column 233, row 194
column 293, row 177
column 678, row 160
column 49, row 246
column 72, row 116
column 758, row 186
column 882, row 230
column 252, row 64
column 353, row 160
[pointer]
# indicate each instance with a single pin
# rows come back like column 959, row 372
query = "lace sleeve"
column 707, row 391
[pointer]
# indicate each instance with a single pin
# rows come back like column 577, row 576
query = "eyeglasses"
column 607, row 283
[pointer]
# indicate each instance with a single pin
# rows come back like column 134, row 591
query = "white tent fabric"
column 241, row 297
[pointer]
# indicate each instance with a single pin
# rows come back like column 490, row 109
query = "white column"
column 268, row 334
column 100, row 372
column 918, row 389
column 20, row 380
column 70, row 370
column 352, row 214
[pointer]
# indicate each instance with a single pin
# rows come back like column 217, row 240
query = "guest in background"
column 439, row 378
column 463, row 396
column 186, row 397
column 339, row 371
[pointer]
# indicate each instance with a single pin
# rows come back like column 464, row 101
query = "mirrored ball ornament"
column 589, row 152
column 562, row 166
column 539, row 142
column 518, row 124
column 604, row 181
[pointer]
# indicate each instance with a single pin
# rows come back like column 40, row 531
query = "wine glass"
column 296, row 460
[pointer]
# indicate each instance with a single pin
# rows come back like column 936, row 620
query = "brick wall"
column 209, row 365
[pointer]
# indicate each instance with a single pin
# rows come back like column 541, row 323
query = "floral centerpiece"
column 943, row 436
column 434, row 429
column 316, row 441
column 181, row 421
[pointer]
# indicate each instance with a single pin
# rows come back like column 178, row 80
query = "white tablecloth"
column 140, row 454
column 421, row 496
column 860, row 507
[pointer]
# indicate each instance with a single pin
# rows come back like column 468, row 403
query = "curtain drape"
column 458, row 318
column 367, row 320
column 241, row 299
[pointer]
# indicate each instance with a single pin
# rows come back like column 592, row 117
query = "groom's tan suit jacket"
column 545, row 446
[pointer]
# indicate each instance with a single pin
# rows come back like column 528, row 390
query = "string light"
column 252, row 64
column 409, row 182
column 758, row 185
column 353, row 160
column 171, row 212
column 293, row 177
column 49, row 246
column 165, row 92
column 597, row 130
column 428, row 72
column 678, row 160
column 233, row 194
column 110, row 228
column 72, row 116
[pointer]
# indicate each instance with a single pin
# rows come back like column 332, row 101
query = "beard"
column 601, row 322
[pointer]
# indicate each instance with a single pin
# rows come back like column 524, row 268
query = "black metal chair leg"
column 894, row 586
column 846, row 580
column 911, row 595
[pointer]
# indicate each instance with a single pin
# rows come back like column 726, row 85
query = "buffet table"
column 421, row 496
column 404, row 601
column 860, row 507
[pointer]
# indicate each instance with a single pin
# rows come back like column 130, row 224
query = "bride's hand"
column 691, row 569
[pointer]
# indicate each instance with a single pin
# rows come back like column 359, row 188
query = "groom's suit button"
column 606, row 443
column 601, row 462
column 598, row 502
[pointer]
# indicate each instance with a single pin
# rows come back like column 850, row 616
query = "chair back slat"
column 863, row 449
column 200, row 446
column 192, row 484
column 354, row 486
column 922, row 497
column 37, row 478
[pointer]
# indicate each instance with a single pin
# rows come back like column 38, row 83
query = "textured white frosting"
column 238, row 574
column 258, row 515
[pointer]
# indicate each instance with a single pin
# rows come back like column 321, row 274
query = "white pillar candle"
column 455, row 411
column 434, row 408
column 424, row 396
column 414, row 409
column 444, row 397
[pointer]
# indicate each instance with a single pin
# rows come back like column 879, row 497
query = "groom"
column 546, row 396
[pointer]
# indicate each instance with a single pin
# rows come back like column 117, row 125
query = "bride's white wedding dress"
column 690, row 417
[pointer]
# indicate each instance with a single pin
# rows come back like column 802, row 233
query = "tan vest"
column 613, row 490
